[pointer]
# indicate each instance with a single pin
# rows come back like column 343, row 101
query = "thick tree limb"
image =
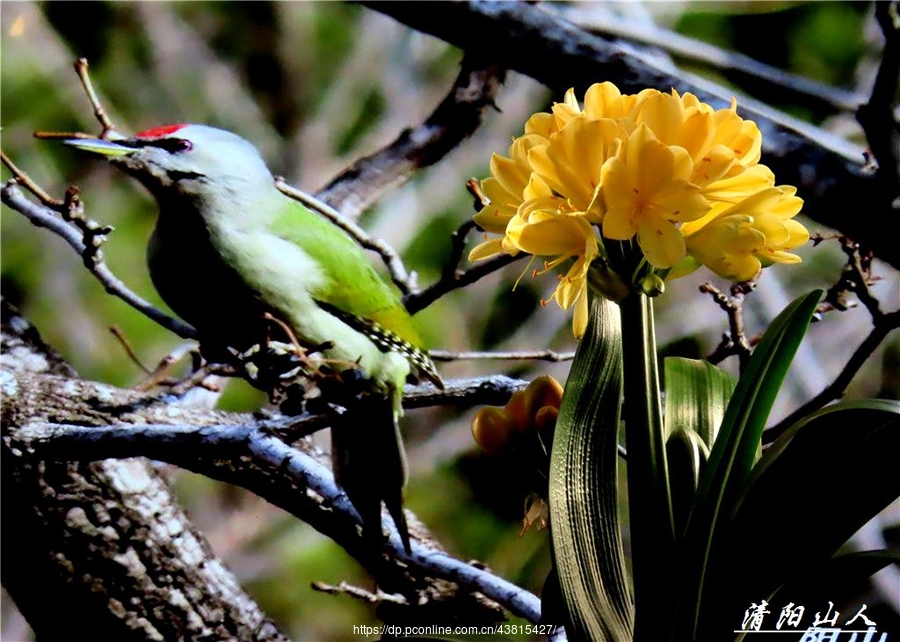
column 101, row 547
column 877, row 116
column 251, row 455
column 535, row 41
column 802, row 89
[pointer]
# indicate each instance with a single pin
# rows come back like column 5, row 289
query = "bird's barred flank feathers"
column 388, row 341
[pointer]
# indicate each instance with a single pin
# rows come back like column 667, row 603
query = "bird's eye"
column 171, row 145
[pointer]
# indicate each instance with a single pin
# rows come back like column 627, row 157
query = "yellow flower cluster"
column 682, row 178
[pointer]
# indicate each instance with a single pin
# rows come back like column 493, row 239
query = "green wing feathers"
column 353, row 289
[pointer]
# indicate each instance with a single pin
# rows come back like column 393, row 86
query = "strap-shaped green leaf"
column 838, row 579
column 734, row 452
column 819, row 483
column 686, row 456
column 584, row 515
column 697, row 393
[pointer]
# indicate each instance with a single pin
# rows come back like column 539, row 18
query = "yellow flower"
column 510, row 183
column 604, row 100
column 509, row 177
column 736, row 241
column 570, row 164
column 736, row 188
column 646, row 191
column 719, row 142
column 563, row 236
column 740, row 136
column 681, row 177
column 545, row 125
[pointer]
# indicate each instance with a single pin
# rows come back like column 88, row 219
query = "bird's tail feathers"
column 370, row 463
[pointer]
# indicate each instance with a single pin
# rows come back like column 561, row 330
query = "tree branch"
column 883, row 326
column 455, row 278
column 56, row 416
column 735, row 341
column 515, row 355
column 877, row 116
column 401, row 278
column 109, row 129
column 491, row 390
column 455, row 118
column 855, row 278
column 249, row 454
column 42, row 216
column 525, row 37
column 805, row 90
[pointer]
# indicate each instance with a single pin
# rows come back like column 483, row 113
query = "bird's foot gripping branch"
column 624, row 193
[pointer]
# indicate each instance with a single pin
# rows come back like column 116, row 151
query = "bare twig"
column 884, row 325
column 855, row 278
column 454, row 119
column 735, row 341
column 357, row 592
column 25, row 181
column 201, row 377
column 159, row 376
column 93, row 235
column 458, row 246
column 535, row 41
column 454, row 279
column 44, row 217
column 516, row 355
column 81, row 68
column 401, row 278
column 129, row 349
column 108, row 131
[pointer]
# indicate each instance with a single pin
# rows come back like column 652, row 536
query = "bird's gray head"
column 187, row 160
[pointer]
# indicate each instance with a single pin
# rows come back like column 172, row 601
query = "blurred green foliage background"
column 315, row 86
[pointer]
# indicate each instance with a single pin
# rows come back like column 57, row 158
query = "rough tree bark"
column 101, row 548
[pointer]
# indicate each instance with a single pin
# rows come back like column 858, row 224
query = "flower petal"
column 662, row 243
column 556, row 236
column 580, row 317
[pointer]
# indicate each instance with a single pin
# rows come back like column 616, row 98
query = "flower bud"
column 543, row 391
column 652, row 285
column 492, row 429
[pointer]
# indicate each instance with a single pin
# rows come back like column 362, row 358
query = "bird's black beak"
column 101, row 147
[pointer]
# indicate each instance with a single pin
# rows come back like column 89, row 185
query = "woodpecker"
column 230, row 252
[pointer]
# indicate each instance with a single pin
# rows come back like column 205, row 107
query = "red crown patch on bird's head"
column 160, row 132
